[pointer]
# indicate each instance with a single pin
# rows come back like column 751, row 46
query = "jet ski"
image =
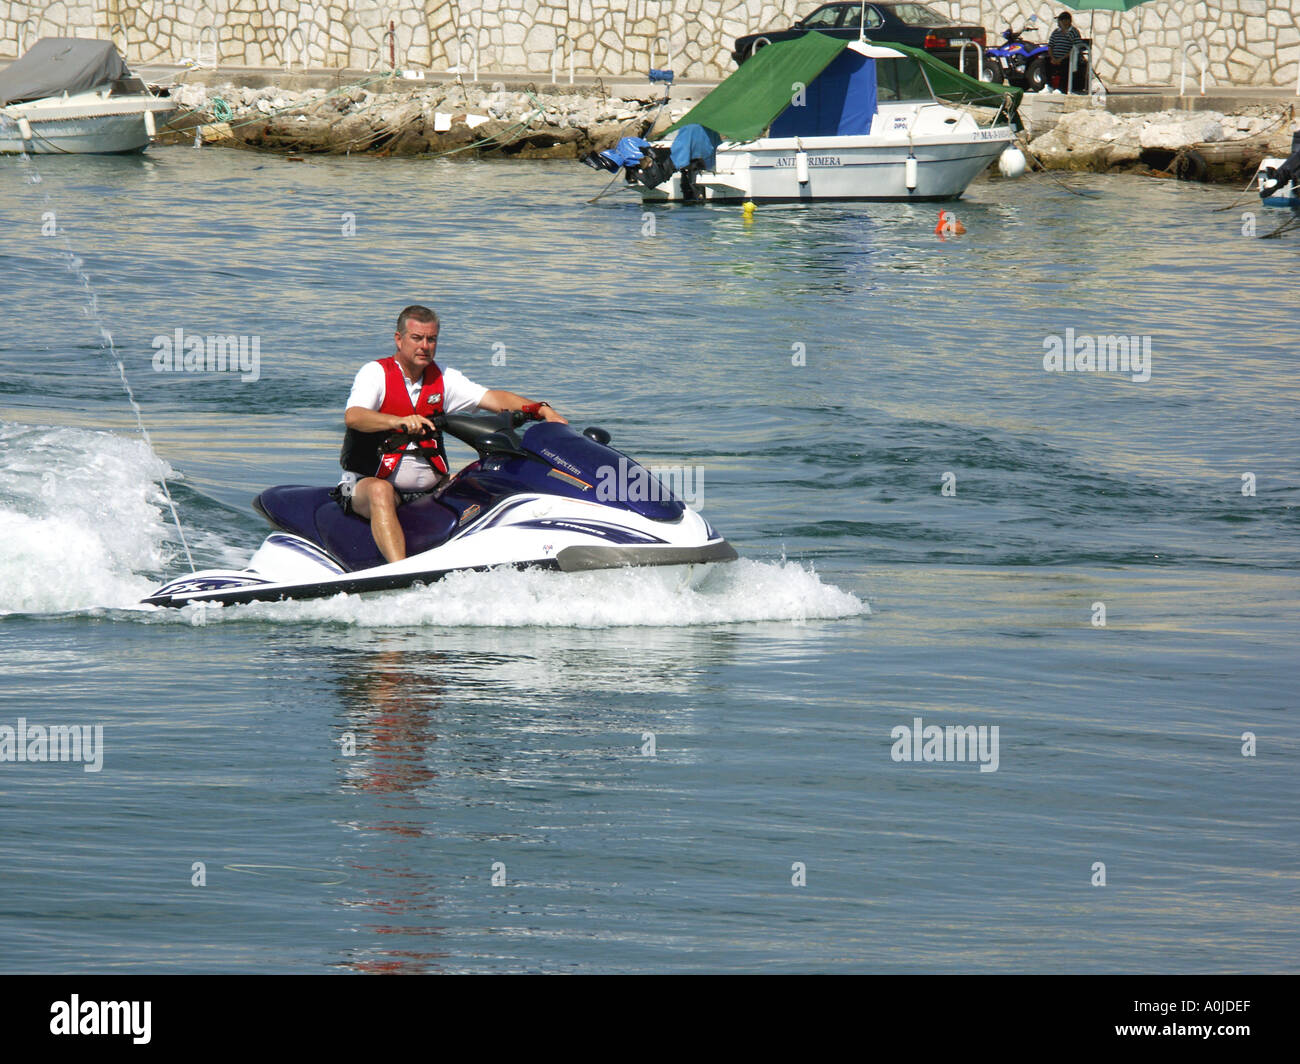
column 546, row 497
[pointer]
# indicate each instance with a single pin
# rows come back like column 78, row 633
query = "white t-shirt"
column 459, row 393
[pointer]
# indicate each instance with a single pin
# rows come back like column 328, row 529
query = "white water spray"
column 76, row 266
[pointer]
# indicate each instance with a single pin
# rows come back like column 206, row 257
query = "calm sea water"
column 353, row 774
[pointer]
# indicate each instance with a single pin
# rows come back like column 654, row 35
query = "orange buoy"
column 948, row 223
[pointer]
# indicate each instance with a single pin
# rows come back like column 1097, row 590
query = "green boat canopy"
column 747, row 102
column 743, row 106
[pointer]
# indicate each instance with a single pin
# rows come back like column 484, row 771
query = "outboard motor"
column 628, row 154
column 657, row 168
column 694, row 149
column 691, row 152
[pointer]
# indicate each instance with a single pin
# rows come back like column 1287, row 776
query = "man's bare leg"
column 376, row 500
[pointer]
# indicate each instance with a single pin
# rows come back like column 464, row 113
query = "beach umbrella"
column 1103, row 5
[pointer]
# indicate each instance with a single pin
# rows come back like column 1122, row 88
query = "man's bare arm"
column 497, row 400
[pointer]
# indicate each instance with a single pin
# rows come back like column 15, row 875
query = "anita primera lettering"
column 953, row 743
column 102, row 1017
column 785, row 162
column 180, row 353
column 1098, row 354
column 58, row 742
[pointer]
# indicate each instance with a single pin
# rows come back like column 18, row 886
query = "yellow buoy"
column 748, row 210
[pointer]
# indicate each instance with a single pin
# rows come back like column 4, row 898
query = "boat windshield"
column 901, row 79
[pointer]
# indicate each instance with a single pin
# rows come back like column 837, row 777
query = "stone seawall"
column 1241, row 42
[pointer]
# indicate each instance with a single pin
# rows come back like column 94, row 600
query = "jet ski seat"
column 313, row 514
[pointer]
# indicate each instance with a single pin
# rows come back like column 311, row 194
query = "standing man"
column 1059, row 46
column 403, row 392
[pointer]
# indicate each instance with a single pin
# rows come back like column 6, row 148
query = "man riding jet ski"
column 402, row 393
column 548, row 497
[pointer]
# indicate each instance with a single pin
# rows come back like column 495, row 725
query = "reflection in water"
column 390, row 703
column 391, row 700
column 522, row 717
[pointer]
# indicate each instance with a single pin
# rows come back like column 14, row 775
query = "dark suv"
column 913, row 24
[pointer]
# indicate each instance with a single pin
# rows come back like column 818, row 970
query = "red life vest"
column 397, row 400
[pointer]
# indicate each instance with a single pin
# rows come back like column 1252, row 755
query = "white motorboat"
column 817, row 118
column 70, row 96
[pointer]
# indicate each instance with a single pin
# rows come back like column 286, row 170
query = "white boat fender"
column 801, row 167
column 149, row 126
column 24, row 129
column 1011, row 163
column 909, row 173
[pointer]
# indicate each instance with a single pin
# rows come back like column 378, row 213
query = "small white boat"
column 827, row 119
column 69, row 96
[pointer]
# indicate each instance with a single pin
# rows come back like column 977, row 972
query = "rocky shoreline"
column 446, row 119
column 454, row 119
column 1190, row 145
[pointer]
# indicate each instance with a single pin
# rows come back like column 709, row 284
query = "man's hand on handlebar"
column 542, row 411
column 414, row 425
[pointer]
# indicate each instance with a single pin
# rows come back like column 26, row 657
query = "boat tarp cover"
column 629, row 151
column 695, row 142
column 745, row 104
column 840, row 103
column 55, row 65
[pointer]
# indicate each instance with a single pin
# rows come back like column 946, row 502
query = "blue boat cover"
column 841, row 102
column 695, row 142
column 627, row 152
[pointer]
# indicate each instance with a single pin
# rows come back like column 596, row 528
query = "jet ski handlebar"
column 486, row 433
